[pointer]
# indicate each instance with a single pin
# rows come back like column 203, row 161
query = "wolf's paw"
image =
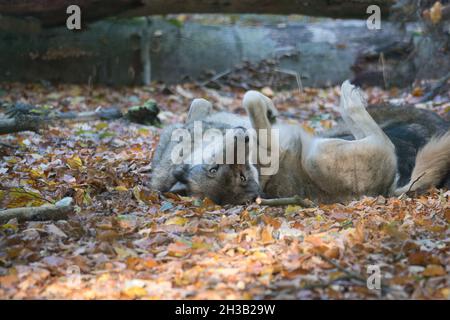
column 256, row 104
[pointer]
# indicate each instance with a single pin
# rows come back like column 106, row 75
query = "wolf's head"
column 224, row 183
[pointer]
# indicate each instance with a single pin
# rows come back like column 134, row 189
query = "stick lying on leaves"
column 58, row 211
column 26, row 117
column 410, row 186
column 295, row 200
column 21, row 123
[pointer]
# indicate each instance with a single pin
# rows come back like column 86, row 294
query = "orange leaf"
column 417, row 92
column 266, row 235
column 434, row 270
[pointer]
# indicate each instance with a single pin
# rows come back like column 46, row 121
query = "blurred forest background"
column 119, row 44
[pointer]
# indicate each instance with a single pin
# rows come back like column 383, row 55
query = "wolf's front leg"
column 262, row 114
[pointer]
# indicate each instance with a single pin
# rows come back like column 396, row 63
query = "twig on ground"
column 323, row 285
column 411, row 185
column 295, row 200
column 215, row 77
column 349, row 273
column 353, row 275
column 58, row 211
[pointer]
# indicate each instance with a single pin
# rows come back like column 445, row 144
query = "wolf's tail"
column 432, row 165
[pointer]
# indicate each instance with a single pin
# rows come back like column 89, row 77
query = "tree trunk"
column 53, row 12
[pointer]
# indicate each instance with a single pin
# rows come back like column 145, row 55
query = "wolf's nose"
column 181, row 173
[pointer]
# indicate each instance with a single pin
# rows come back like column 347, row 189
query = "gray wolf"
column 360, row 159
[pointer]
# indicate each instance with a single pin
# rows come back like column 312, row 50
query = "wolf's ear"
column 199, row 109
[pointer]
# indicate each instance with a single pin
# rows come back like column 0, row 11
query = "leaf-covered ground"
column 125, row 241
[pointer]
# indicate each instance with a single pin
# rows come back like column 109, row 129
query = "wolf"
column 358, row 159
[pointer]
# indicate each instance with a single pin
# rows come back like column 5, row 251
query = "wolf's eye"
column 243, row 178
column 213, row 170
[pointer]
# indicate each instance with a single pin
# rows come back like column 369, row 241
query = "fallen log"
column 21, row 123
column 22, row 120
column 58, row 211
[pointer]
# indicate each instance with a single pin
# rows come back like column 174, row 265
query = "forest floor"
column 125, row 241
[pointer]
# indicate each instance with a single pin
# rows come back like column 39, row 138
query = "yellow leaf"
column 75, row 162
column 36, row 174
column 124, row 252
column 179, row 221
column 200, row 245
column 434, row 270
column 10, row 226
column 290, row 210
column 436, row 12
column 121, row 188
column 445, row 293
column 143, row 131
column 22, row 198
column 135, row 292
column 101, row 125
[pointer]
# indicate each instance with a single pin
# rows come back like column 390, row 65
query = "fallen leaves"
column 75, row 162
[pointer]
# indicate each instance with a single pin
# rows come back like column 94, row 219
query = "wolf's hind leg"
column 199, row 110
column 349, row 123
column 353, row 108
